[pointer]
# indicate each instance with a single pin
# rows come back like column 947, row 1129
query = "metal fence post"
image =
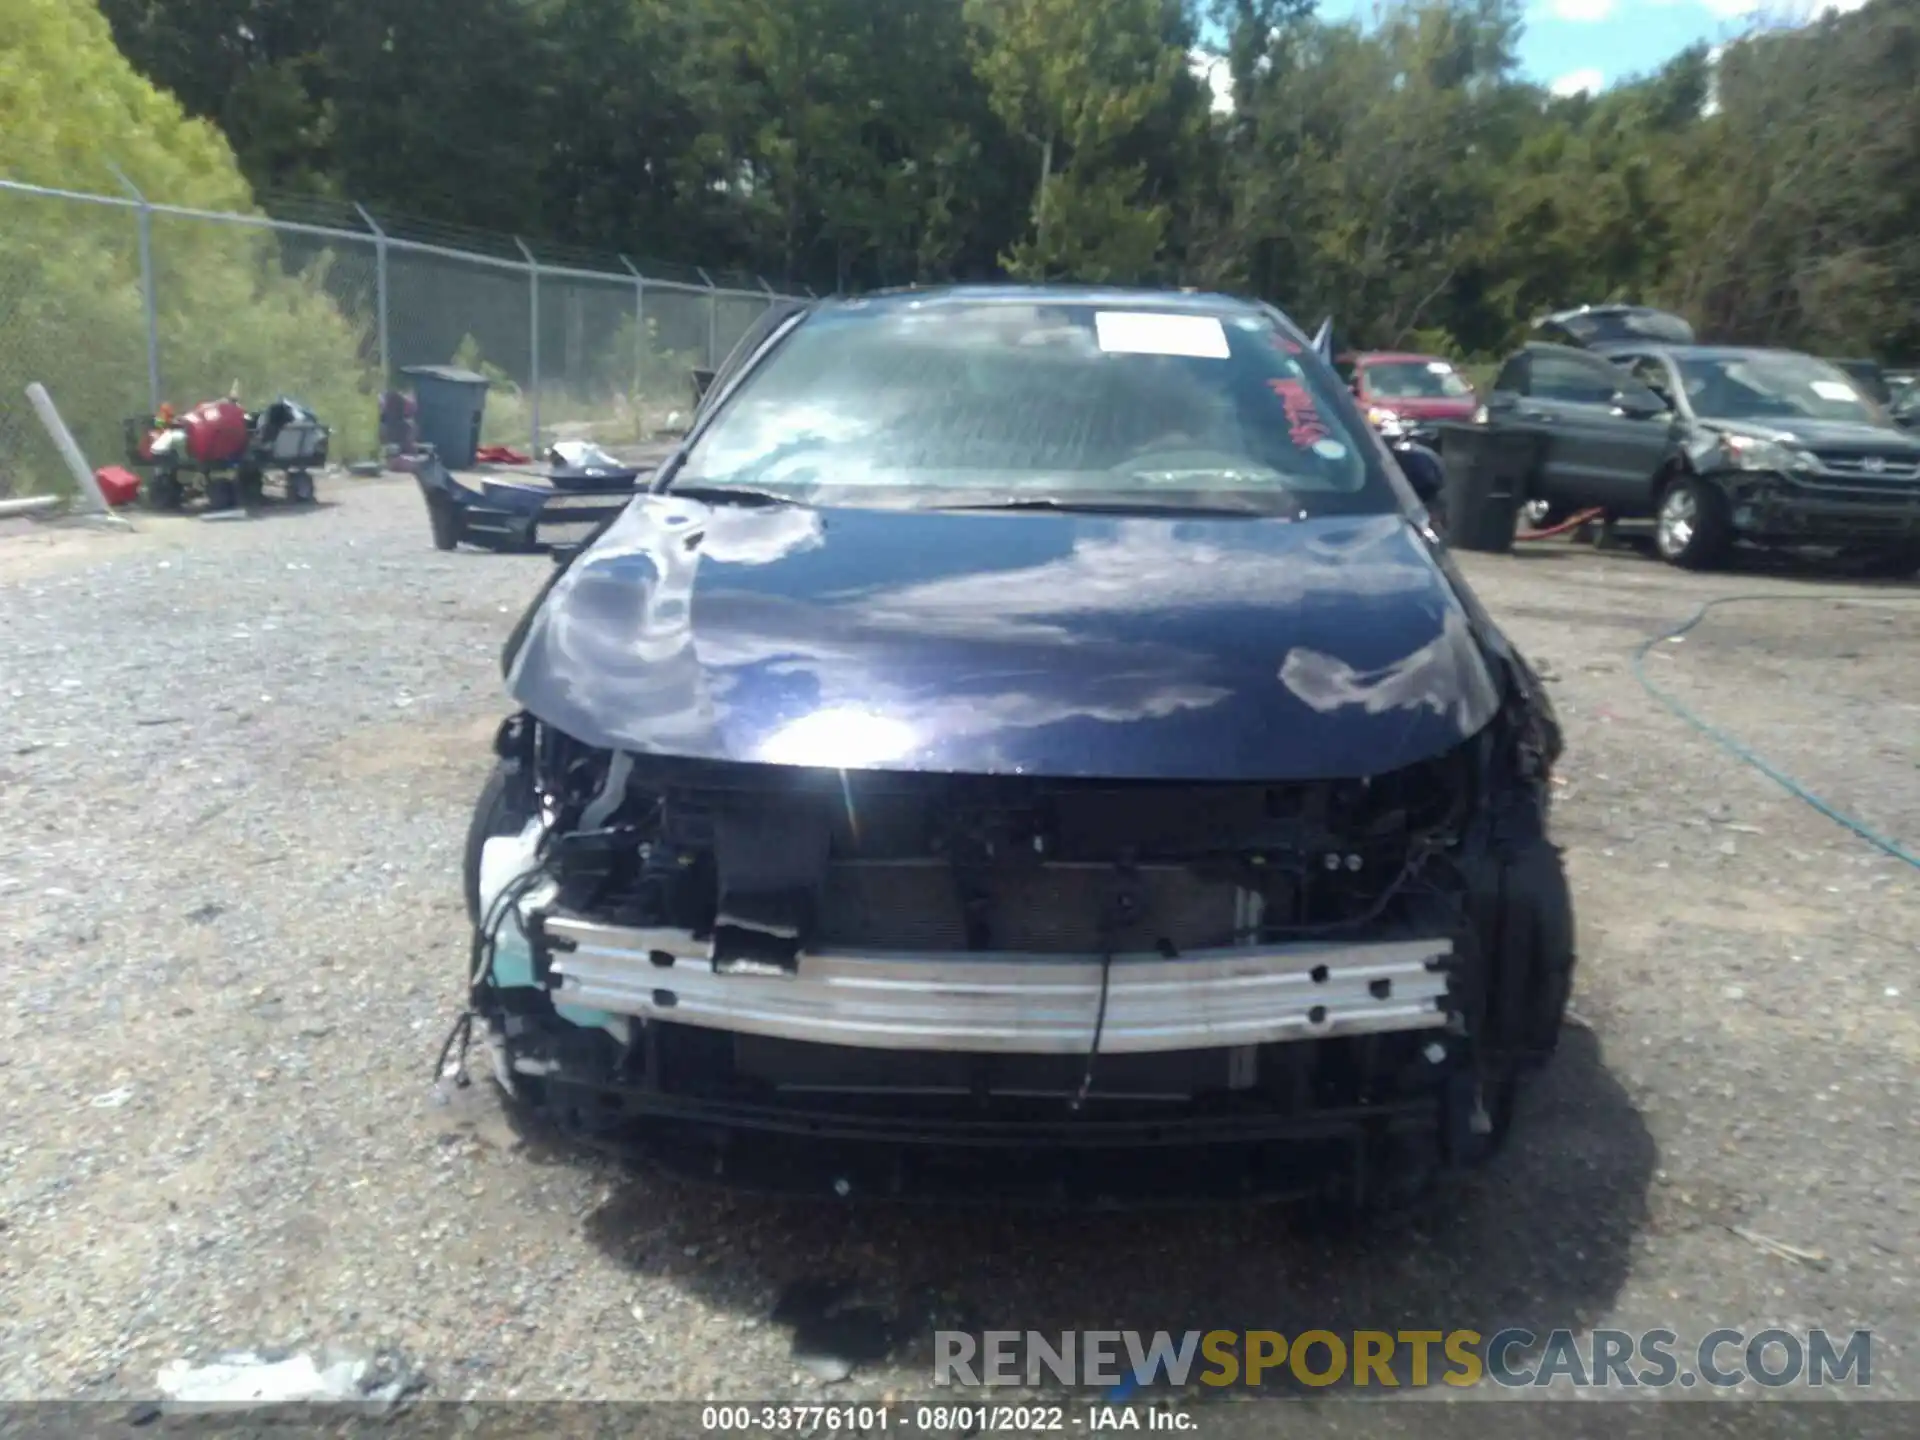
column 533, row 293
column 639, row 330
column 713, row 318
column 146, row 287
column 380, row 291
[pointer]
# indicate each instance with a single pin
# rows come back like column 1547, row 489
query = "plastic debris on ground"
column 247, row 1378
column 581, row 455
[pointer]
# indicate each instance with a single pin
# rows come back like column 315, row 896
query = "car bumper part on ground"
column 519, row 515
column 1018, row 1004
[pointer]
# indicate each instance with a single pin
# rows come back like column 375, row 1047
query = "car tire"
column 444, row 521
column 1524, row 927
column 1692, row 527
column 222, row 494
column 495, row 814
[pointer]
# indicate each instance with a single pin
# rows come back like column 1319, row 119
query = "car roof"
column 1717, row 352
column 1193, row 302
column 1549, row 347
column 1611, row 307
column 1372, row 357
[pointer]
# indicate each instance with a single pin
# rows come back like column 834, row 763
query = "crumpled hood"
column 1037, row 643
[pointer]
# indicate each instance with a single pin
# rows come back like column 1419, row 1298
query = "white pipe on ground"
column 30, row 505
column 88, row 487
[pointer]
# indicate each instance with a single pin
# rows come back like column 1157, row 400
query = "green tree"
column 1076, row 79
column 71, row 304
column 1397, row 172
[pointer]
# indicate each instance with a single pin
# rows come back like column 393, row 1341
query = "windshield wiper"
column 723, row 494
column 1110, row 507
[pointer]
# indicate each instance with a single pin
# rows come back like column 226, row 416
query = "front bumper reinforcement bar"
column 980, row 1001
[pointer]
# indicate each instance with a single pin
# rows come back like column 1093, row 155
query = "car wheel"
column 1524, row 925
column 1692, row 528
column 495, row 814
column 222, row 494
column 300, row 487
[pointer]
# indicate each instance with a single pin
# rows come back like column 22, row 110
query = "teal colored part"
column 513, row 966
column 512, row 962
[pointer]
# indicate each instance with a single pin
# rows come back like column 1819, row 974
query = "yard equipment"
column 227, row 453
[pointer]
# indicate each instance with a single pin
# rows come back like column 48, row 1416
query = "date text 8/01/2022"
column 942, row 1419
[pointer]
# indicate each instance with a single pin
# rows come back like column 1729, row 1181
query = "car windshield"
column 956, row 401
column 1772, row 385
column 1415, row 380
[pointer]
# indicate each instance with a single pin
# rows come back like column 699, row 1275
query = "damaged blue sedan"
column 1027, row 744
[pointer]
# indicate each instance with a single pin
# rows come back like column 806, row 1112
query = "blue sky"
column 1575, row 45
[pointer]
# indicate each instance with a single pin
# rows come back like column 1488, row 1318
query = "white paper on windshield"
column 1200, row 337
column 1834, row 390
column 1439, row 367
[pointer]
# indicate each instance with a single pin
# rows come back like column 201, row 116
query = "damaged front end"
column 1010, row 987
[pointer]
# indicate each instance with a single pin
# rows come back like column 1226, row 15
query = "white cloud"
column 1731, row 9
column 1583, row 12
column 1578, row 82
column 1212, row 71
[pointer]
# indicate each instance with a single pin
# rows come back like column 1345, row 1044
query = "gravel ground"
column 237, row 765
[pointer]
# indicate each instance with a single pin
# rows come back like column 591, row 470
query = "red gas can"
column 216, row 432
column 118, row 486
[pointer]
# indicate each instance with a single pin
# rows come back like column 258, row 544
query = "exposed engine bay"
column 670, row 951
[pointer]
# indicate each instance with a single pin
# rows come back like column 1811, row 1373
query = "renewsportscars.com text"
column 1606, row 1359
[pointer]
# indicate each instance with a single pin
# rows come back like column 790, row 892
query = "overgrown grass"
column 75, row 320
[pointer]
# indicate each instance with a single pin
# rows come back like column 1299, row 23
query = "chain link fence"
column 118, row 304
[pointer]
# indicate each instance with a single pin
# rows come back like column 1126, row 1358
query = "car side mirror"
column 1423, row 470
column 1639, row 404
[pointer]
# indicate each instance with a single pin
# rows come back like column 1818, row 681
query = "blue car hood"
column 1041, row 643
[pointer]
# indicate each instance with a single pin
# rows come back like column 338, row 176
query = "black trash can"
column 451, row 404
column 1489, row 473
